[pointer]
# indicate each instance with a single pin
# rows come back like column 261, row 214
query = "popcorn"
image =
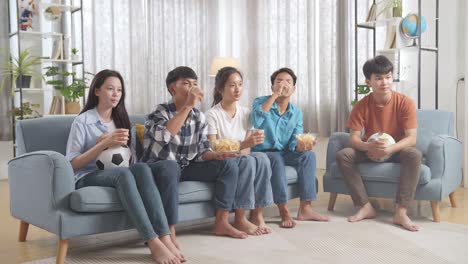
column 307, row 138
column 226, row 145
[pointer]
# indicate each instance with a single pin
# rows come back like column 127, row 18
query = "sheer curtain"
column 314, row 38
column 6, row 132
column 145, row 39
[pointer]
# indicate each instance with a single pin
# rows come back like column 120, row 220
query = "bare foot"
column 160, row 253
column 246, row 226
column 173, row 236
column 223, row 228
column 402, row 219
column 256, row 217
column 286, row 219
column 366, row 212
column 306, row 213
column 167, row 241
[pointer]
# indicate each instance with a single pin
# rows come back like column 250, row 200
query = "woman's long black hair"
column 119, row 113
column 220, row 81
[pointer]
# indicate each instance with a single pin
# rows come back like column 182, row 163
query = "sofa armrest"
column 337, row 142
column 40, row 186
column 444, row 158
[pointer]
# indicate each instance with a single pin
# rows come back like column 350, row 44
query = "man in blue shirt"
column 281, row 122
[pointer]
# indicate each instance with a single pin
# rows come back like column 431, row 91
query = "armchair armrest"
column 337, row 142
column 444, row 158
column 40, row 186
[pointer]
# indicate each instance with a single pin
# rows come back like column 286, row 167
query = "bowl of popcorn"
column 307, row 138
column 225, row 145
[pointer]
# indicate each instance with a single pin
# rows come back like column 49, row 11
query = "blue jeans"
column 138, row 194
column 166, row 174
column 253, row 185
column 224, row 173
column 304, row 163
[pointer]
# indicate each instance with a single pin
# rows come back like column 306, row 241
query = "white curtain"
column 144, row 39
column 6, row 132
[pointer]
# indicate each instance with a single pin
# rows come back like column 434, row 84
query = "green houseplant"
column 395, row 5
column 26, row 111
column 18, row 69
column 361, row 89
column 74, row 53
column 70, row 91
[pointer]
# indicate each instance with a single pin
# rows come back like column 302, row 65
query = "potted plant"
column 70, row 91
column 21, row 70
column 26, row 111
column 395, row 6
column 361, row 89
column 74, row 52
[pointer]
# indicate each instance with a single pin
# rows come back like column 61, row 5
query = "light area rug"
column 371, row 241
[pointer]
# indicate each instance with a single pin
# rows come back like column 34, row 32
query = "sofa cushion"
column 382, row 172
column 291, row 175
column 95, row 199
column 105, row 199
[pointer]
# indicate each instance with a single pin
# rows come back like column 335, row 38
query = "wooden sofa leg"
column 435, row 211
column 453, row 200
column 61, row 251
column 23, row 232
column 332, row 201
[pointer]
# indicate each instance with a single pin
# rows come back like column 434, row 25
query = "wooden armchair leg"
column 453, row 200
column 61, row 251
column 332, row 201
column 435, row 211
column 23, row 232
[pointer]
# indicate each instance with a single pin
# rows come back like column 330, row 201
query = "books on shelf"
column 390, row 42
column 372, row 14
column 56, row 105
column 57, row 49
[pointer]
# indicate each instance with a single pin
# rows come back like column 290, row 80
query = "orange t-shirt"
column 393, row 118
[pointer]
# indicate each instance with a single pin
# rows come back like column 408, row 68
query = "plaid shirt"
column 190, row 143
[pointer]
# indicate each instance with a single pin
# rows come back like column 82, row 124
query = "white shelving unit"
column 44, row 40
column 402, row 46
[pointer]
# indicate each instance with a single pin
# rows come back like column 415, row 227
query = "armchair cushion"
column 382, row 172
column 423, row 140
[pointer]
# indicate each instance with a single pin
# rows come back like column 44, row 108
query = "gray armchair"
column 441, row 170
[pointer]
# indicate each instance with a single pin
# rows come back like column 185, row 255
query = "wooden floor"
column 41, row 244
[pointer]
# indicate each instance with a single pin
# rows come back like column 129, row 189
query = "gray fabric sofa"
column 42, row 190
column 441, row 169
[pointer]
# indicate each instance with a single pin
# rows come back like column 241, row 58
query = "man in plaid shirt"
column 178, row 131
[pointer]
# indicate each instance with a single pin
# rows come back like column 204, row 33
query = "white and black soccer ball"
column 389, row 140
column 113, row 157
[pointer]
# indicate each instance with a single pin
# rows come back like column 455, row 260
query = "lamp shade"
column 220, row 62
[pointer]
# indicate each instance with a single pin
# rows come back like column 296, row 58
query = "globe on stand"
column 409, row 26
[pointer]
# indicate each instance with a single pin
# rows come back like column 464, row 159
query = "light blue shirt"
column 280, row 130
column 84, row 132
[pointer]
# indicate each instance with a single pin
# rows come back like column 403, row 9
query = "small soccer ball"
column 388, row 140
column 113, row 157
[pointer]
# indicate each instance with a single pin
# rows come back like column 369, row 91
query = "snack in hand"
column 226, row 145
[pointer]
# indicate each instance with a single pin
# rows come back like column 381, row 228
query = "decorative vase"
column 72, row 107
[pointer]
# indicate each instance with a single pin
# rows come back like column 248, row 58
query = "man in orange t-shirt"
column 386, row 111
